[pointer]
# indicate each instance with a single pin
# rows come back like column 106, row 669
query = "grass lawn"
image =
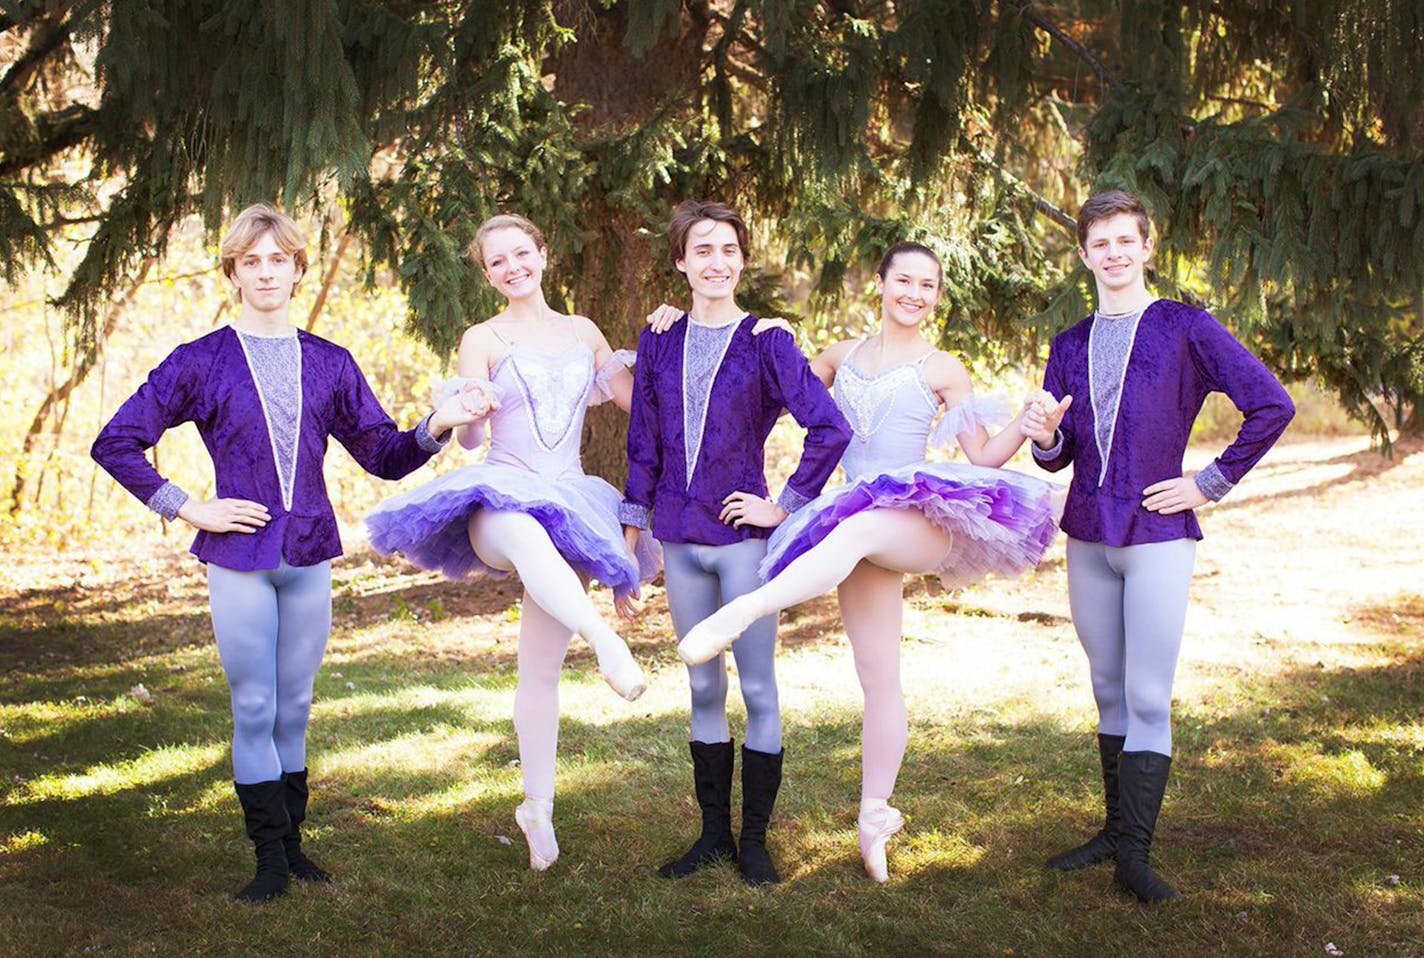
column 1294, row 819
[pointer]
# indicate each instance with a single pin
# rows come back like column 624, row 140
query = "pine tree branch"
column 49, row 35
column 1034, row 17
column 1040, row 205
column 58, row 132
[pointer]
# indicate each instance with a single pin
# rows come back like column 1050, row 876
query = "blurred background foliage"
column 1276, row 143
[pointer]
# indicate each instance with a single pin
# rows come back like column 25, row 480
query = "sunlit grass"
column 1295, row 797
column 151, row 768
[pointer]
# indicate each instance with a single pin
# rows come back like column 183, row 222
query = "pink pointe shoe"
column 535, row 817
column 877, row 825
column 715, row 634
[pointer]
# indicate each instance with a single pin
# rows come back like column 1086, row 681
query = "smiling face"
column 265, row 275
column 712, row 259
column 1116, row 251
column 910, row 288
column 513, row 262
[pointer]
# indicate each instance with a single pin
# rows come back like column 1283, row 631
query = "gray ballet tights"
column 700, row 579
column 1129, row 606
column 271, row 628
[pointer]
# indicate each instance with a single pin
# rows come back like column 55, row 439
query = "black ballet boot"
column 1102, row 846
column 761, row 779
column 295, row 795
column 712, row 783
column 1142, row 780
column 267, row 824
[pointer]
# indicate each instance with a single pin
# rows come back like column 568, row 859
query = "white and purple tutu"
column 1001, row 521
column 532, row 467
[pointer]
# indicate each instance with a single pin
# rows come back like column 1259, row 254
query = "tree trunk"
column 617, row 282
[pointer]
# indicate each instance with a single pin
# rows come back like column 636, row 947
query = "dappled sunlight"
column 1324, row 776
column 151, row 768
column 22, row 842
column 442, row 749
column 478, row 705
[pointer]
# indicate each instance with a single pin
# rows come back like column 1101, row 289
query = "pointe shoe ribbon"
column 535, row 817
column 876, row 827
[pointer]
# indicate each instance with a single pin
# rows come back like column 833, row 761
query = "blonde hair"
column 475, row 250
column 251, row 225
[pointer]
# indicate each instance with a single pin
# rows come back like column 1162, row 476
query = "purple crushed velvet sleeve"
column 371, row 436
column 1229, row 367
column 644, row 439
column 170, row 396
column 801, row 393
column 1061, row 453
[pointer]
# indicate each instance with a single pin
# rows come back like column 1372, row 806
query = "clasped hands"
column 1039, row 421
column 473, row 402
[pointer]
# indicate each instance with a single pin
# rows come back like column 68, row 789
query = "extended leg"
column 898, row 539
column 543, row 641
column 871, row 602
column 515, row 541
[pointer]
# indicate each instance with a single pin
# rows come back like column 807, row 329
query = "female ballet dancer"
column 529, row 508
column 897, row 514
column 265, row 396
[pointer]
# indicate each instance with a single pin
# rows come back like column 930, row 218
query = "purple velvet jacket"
column 1181, row 353
column 759, row 377
column 208, row 383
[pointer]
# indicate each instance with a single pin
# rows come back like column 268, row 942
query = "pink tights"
column 867, row 556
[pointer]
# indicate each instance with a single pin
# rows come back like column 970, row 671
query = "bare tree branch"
column 1034, row 17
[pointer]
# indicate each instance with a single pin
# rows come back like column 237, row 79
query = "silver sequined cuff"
column 167, row 501
column 426, row 440
column 632, row 514
column 1046, row 454
column 1212, row 483
column 791, row 500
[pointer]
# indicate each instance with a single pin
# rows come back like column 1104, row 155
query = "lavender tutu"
column 532, row 467
column 1002, row 521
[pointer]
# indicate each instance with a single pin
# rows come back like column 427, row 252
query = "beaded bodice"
column 543, row 397
column 889, row 414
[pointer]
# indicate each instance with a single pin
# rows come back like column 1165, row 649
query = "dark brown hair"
column 692, row 212
column 1106, row 205
column 908, row 247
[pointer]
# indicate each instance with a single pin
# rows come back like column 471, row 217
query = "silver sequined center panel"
column 276, row 364
column 702, row 352
column 1109, row 347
